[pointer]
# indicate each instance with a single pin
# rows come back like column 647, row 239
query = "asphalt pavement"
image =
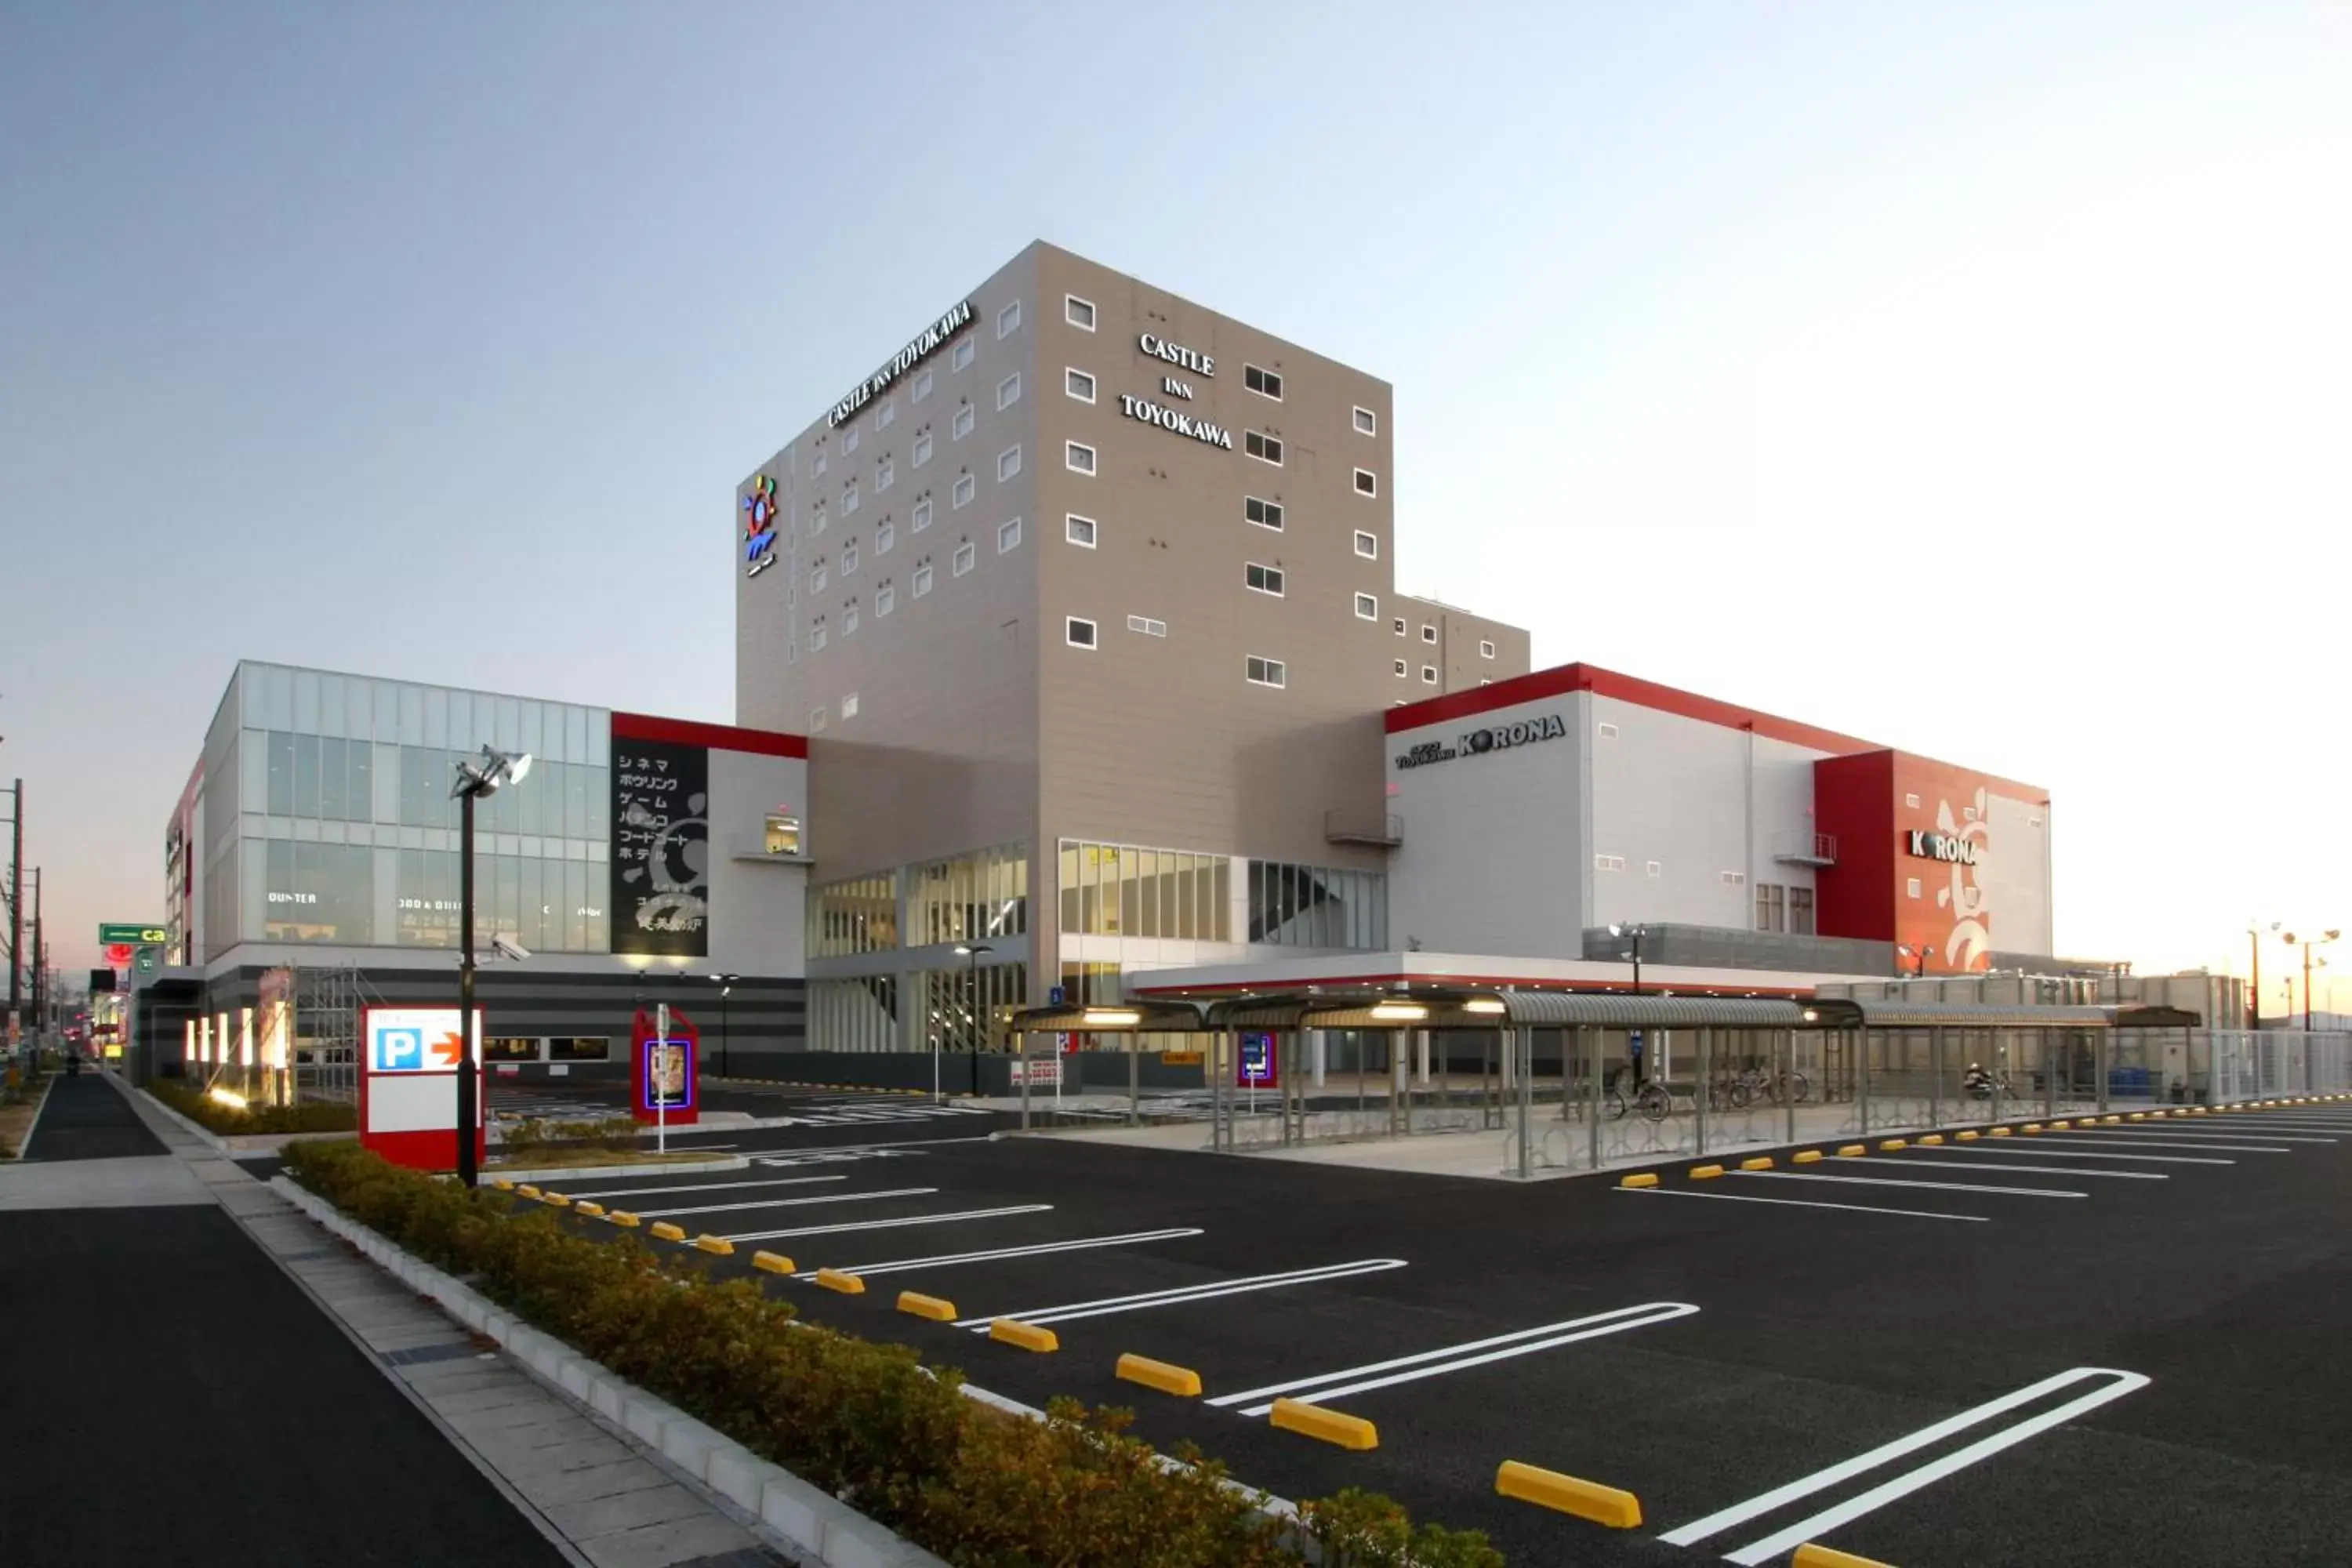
column 85, row 1118
column 2110, row 1344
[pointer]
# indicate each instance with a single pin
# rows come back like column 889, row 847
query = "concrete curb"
column 603, row 1172
column 230, row 1148
column 805, row 1519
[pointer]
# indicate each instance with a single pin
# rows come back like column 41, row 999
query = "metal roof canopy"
column 1838, row 1012
column 1341, row 1008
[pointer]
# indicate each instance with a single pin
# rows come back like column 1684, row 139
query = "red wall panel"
column 1854, row 799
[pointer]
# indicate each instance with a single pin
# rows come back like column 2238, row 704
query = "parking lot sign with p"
column 409, row 1060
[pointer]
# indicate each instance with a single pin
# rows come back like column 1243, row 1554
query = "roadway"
column 2110, row 1344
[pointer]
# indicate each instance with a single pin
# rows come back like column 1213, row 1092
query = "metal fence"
column 2242, row 1064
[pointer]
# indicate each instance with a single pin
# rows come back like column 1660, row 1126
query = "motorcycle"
column 1979, row 1084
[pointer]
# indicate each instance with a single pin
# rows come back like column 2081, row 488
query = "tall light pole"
column 2255, row 982
column 1636, row 932
column 971, row 950
column 2320, row 941
column 476, row 780
column 726, row 989
column 1922, row 954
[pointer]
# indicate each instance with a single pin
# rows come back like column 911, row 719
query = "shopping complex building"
column 1069, row 651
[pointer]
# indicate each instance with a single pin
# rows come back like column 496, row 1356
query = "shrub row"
column 867, row 1422
column 532, row 1133
column 232, row 1121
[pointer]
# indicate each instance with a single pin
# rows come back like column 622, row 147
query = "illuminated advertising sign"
column 759, row 526
column 1255, row 1067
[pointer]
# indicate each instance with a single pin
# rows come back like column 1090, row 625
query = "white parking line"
column 707, row 1187
column 2071, row 1141
column 1893, row 1182
column 1176, row 1296
column 2202, row 1134
column 1526, row 1342
column 2068, row 1155
column 1039, row 1250
column 790, row 1203
column 1928, row 1156
column 2119, row 1384
column 802, row 1153
column 893, row 1223
column 1792, row 1203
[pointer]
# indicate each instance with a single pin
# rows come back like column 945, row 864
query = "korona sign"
column 1948, row 847
column 1494, row 738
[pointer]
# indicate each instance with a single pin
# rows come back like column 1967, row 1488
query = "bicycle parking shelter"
column 1725, row 1071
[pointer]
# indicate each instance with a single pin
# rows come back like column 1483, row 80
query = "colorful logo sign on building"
column 759, row 526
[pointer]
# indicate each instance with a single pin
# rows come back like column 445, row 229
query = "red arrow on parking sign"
column 447, row 1050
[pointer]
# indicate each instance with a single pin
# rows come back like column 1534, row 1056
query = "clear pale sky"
column 1971, row 378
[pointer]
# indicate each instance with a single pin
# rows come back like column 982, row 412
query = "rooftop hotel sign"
column 927, row 343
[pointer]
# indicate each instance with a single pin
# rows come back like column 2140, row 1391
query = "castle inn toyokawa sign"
column 1495, row 738
column 926, row 343
column 1948, row 847
column 1175, row 421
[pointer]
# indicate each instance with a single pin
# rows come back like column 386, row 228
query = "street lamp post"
column 1636, row 932
column 476, row 780
column 1921, row 956
column 2320, row 941
column 726, row 988
column 971, row 950
column 2254, row 982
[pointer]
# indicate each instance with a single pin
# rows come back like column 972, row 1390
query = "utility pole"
column 41, row 958
column 16, row 901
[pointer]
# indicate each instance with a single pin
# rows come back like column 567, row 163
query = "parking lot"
column 2114, row 1342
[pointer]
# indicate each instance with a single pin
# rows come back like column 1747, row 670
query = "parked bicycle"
column 1779, row 1089
column 1651, row 1099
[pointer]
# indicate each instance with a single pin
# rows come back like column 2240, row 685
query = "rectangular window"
column 1147, row 626
column 1008, row 536
column 1366, row 422
column 887, row 415
column 922, row 453
column 960, row 355
column 922, row 517
column 922, row 583
column 849, row 705
column 1655, row 869
column 1398, row 624
column 1265, row 383
column 1264, row 513
column 1428, row 633
column 816, row 519
column 1078, row 384
column 886, row 599
column 817, row 577
column 885, row 473
column 817, row 718
column 1429, row 675
column 849, row 497
column 1078, row 529
column 965, row 555
column 1486, row 650
column 965, row 488
column 1771, row 910
column 1366, row 482
column 1608, row 862
column 1800, row 912
column 1368, row 608
column 1078, row 456
column 1079, row 313
column 1008, row 390
column 1911, row 888
column 1734, row 878
column 1079, row 632
column 960, row 426
column 816, row 635
column 1265, row 671
column 1008, row 319
column 1263, row 579
column 1368, row 546
column 1607, row 731
column 849, row 558
column 1008, row 464
column 884, row 536
column 816, row 464
column 922, row 383
column 1265, row 448
column 848, row 439
column 1911, row 802
column 1403, row 670
column 849, row 617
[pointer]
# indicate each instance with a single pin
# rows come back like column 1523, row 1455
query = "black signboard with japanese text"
column 661, row 849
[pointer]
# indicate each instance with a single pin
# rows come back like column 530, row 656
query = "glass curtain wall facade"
column 925, row 911
column 329, row 816
column 1123, row 889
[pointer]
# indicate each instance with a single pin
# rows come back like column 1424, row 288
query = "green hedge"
column 866, row 1422
column 229, row 1122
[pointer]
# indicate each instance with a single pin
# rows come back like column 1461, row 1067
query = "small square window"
column 1008, row 390
column 1398, row 624
column 817, row 576
column 922, row 582
column 921, row 516
column 848, row 439
column 1008, row 535
column 816, row 464
column 1428, row 633
column 1403, row 670
column 965, row 556
column 1911, row 802
column 1265, row 383
column 1079, row 313
column 816, row 519
column 1486, row 650
column 960, row 426
column 886, row 474
column 817, row 716
column 1368, row 608
column 964, row 489
column 1265, row 671
column 1911, row 888
column 884, row 536
column 1368, row 483
column 849, row 497
column 886, row 599
column 887, row 415
column 1655, row 868
column 1265, row 448
column 1264, row 513
column 1147, row 626
column 922, row 384
column 1079, row 632
column 849, row 558
column 1008, row 319
column 1078, row 529
column 1078, row 384
column 1078, row 456
column 1429, row 675
column 1366, row 422
column 922, row 452
column 1263, row 579
column 1607, row 731
column 1368, row 546
column 1483, row 681
column 960, row 355
column 849, row 705
column 849, row 617
column 816, row 635
column 1008, row 464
